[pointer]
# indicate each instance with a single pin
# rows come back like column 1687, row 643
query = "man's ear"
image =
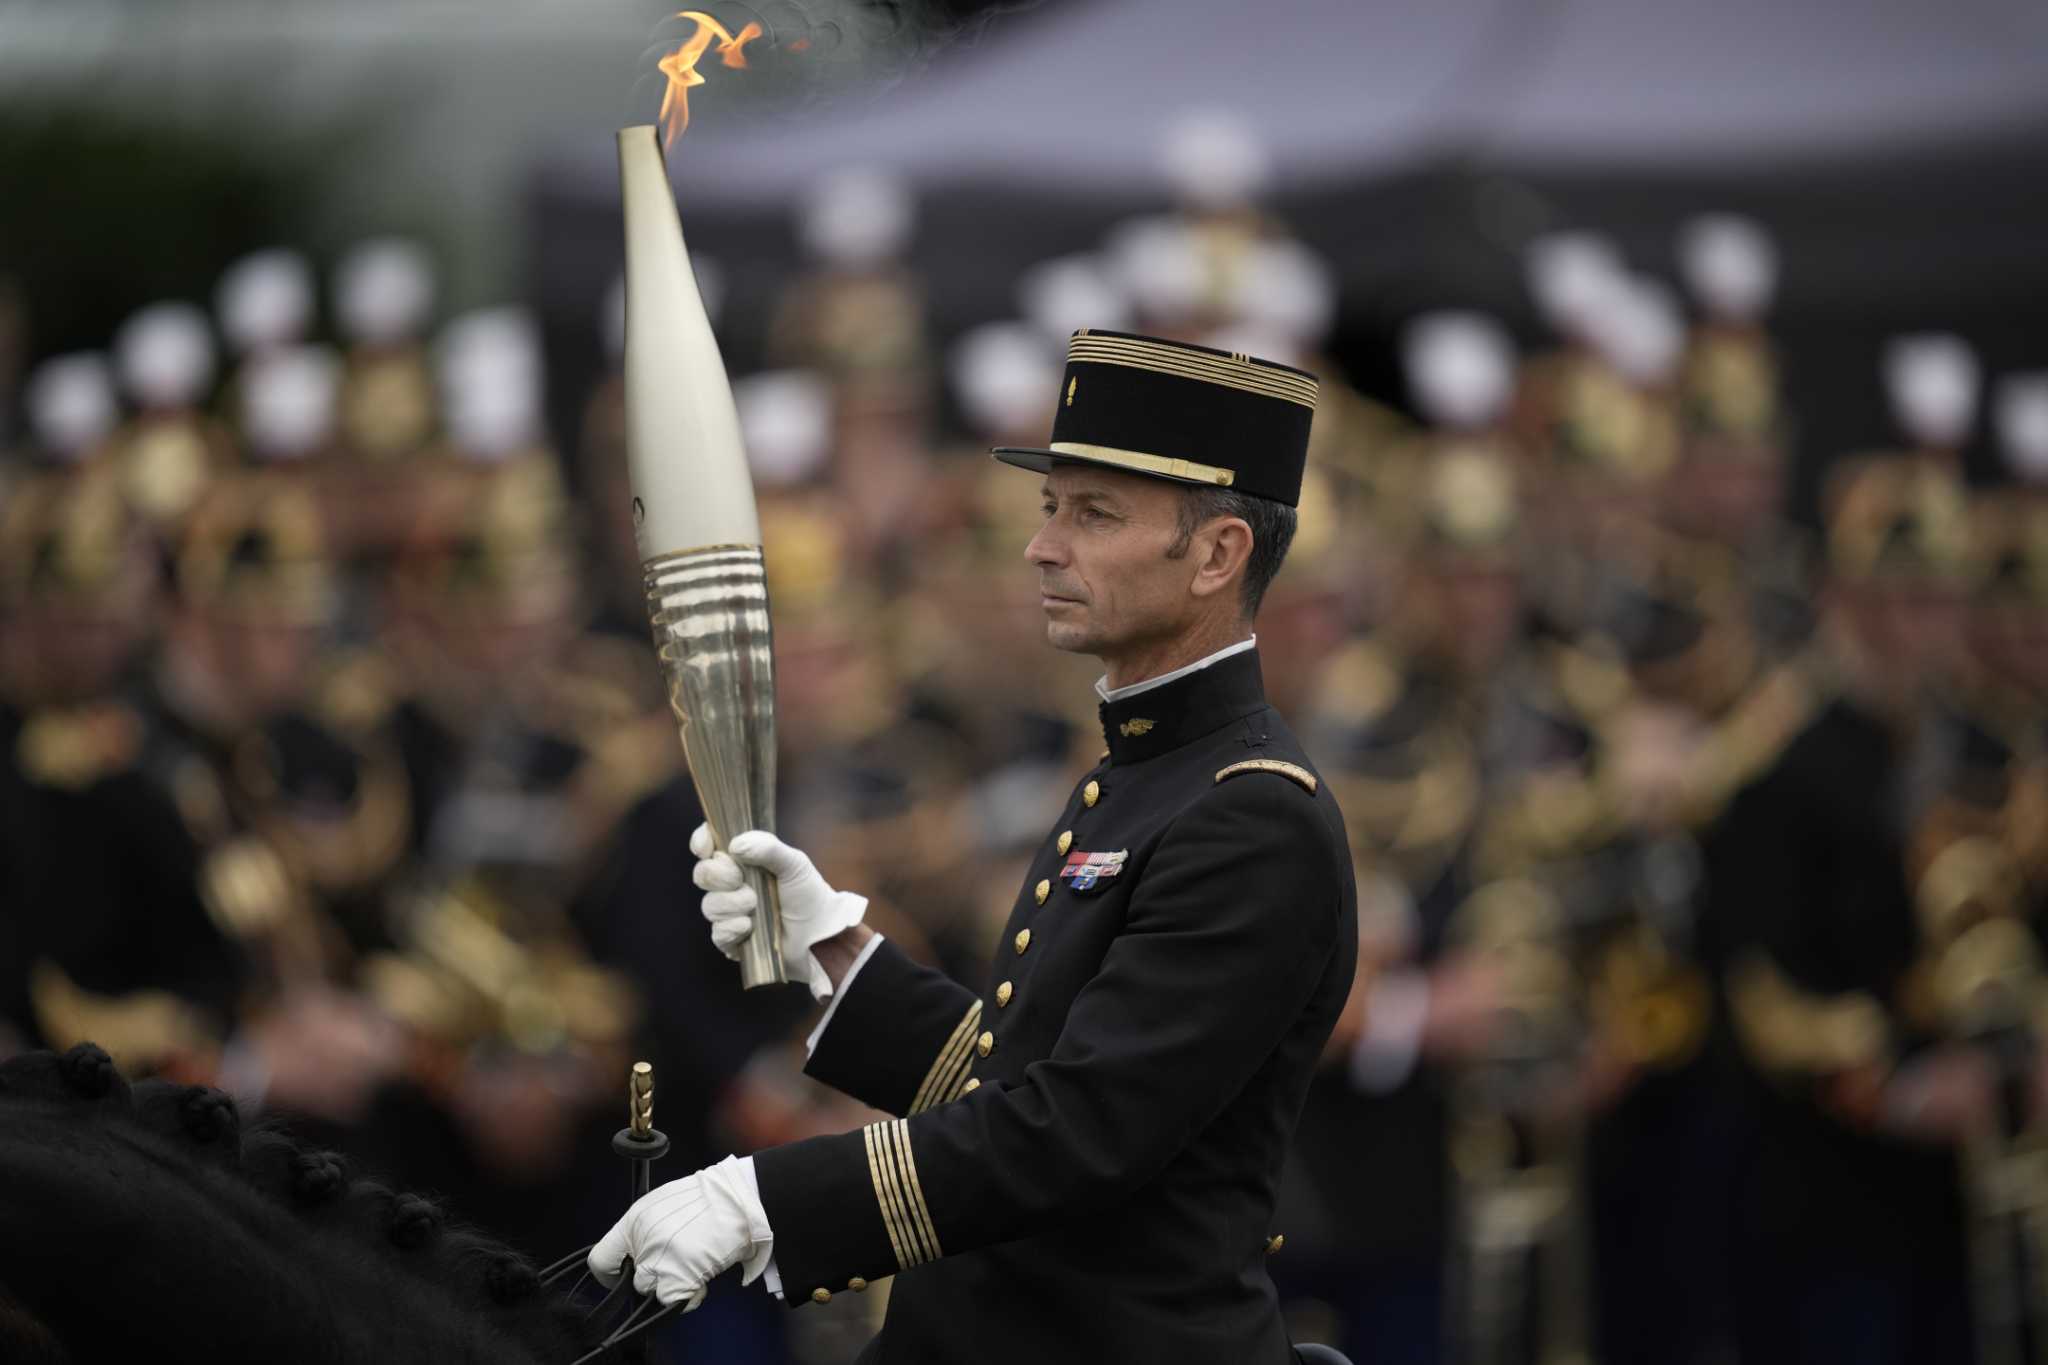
column 1222, row 549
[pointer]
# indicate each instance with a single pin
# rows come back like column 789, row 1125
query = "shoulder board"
column 71, row 748
column 1271, row 765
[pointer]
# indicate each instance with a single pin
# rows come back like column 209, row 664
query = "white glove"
column 687, row 1233
column 811, row 911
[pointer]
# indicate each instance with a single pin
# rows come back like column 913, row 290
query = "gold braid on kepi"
column 1184, row 413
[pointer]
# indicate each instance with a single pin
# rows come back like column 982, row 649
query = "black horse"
column 147, row 1223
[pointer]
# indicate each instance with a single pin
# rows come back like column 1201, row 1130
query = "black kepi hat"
column 1188, row 414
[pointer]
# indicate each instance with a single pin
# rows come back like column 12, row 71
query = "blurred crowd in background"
column 1702, row 855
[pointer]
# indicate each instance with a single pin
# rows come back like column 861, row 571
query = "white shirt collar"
column 1108, row 693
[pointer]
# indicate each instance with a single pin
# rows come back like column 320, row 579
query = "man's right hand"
column 812, row 912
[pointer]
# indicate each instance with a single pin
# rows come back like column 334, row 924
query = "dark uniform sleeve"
column 902, row 1037
column 1229, row 927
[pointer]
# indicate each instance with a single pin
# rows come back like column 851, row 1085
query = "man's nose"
column 1045, row 548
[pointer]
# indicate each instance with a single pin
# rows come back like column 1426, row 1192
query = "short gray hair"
column 1272, row 524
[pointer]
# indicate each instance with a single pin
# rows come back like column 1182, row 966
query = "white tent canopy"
column 1080, row 95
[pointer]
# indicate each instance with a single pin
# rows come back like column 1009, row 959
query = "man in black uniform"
column 1086, row 1155
column 1852, row 1215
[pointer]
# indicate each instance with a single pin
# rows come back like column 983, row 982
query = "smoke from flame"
column 680, row 67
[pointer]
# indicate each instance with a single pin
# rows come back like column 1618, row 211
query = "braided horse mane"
column 145, row 1223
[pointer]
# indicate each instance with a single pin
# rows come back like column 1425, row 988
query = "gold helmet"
column 1898, row 520
column 67, row 537
column 1470, row 506
column 496, row 538
column 256, row 549
column 2011, row 536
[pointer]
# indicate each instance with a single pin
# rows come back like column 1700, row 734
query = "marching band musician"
column 1850, row 1233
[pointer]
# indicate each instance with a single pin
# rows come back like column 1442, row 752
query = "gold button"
column 821, row 1295
column 973, row 1084
column 1023, row 939
column 1066, row 841
column 1275, row 1242
column 857, row 1285
column 1091, row 793
column 985, row 1044
column 1003, row 994
column 1041, row 891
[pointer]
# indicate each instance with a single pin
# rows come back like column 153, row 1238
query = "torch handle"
column 761, row 954
column 709, row 610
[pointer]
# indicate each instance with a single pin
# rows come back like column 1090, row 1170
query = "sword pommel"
column 640, row 1101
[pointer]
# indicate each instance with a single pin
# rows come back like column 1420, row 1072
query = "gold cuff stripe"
column 951, row 1057
column 1237, row 363
column 882, row 1187
column 1271, row 765
column 1226, row 379
column 1144, row 463
column 1250, row 378
column 895, row 1159
column 898, row 1194
column 894, row 1198
column 956, row 1076
column 921, row 1215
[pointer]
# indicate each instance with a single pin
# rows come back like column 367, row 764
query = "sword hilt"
column 640, row 1142
column 640, row 1101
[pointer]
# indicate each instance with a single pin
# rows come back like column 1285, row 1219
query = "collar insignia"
column 1084, row 870
column 1131, row 729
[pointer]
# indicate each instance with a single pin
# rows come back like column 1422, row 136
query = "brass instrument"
column 1515, row 1156
column 1980, row 982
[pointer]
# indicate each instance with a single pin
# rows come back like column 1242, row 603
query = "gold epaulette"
column 140, row 1028
column 1747, row 741
column 1790, row 1031
column 71, row 748
column 1299, row 774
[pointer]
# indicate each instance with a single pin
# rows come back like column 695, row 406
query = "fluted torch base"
column 709, row 609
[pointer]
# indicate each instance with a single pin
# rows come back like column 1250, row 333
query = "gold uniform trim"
column 885, row 1194
column 942, row 1082
column 1267, row 381
column 901, row 1198
column 1271, row 765
column 1227, row 374
column 1144, row 463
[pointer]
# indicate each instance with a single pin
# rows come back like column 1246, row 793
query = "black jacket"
column 1086, row 1163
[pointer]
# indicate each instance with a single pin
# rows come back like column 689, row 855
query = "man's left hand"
column 688, row 1232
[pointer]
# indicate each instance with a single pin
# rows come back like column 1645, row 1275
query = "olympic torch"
column 699, row 535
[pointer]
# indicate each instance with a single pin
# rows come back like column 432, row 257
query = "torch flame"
column 680, row 67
